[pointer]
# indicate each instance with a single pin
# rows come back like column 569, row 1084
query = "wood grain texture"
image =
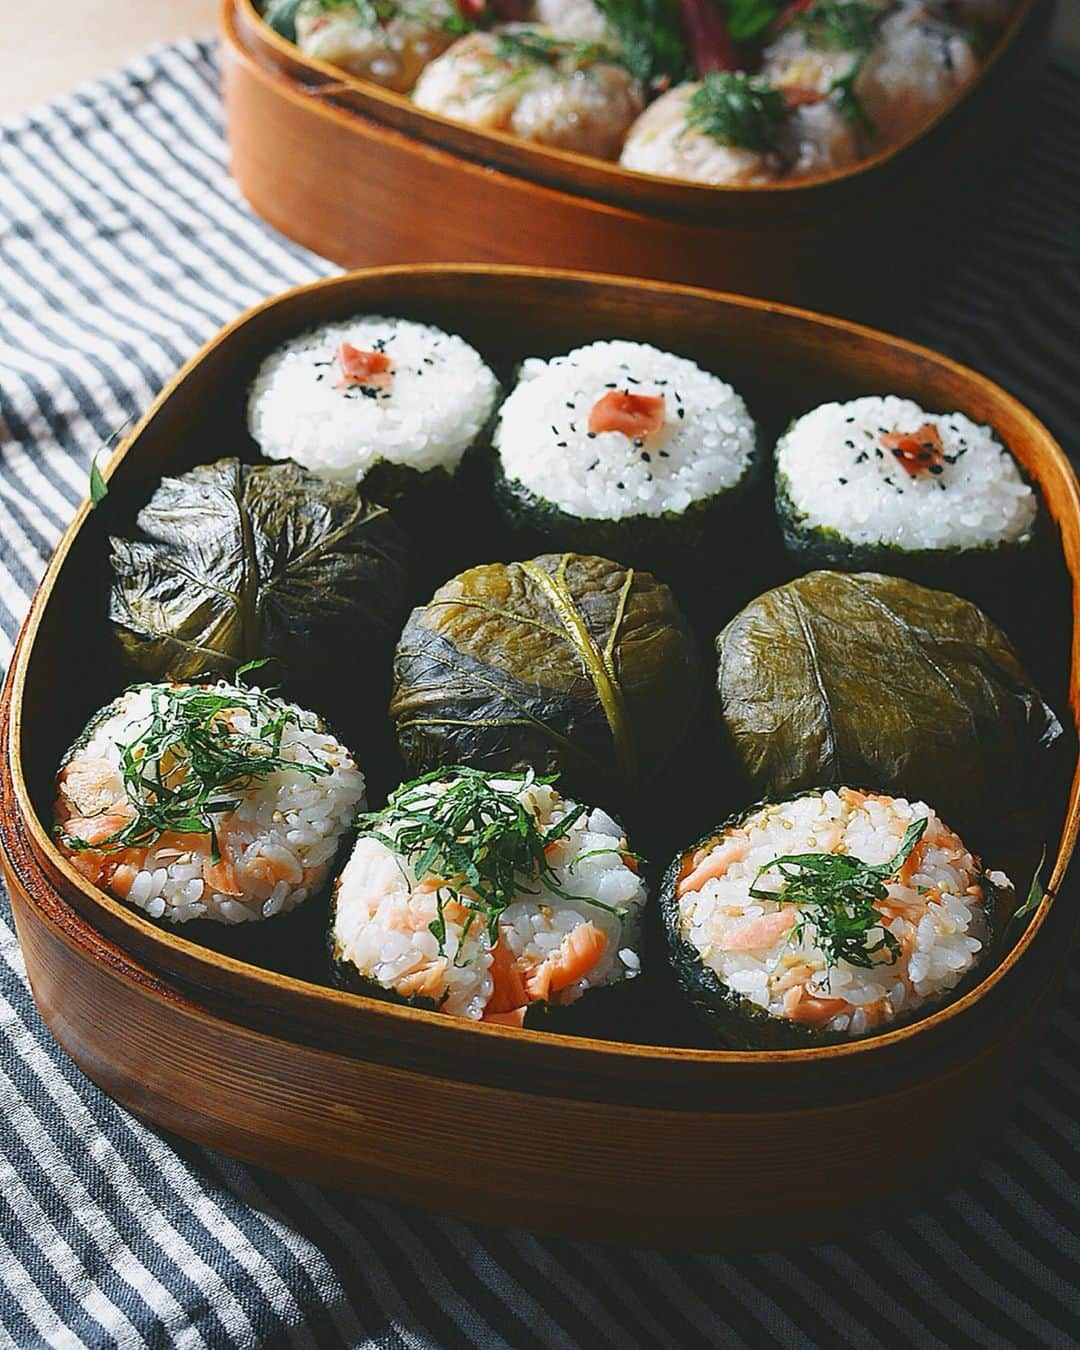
column 362, row 176
column 347, row 1089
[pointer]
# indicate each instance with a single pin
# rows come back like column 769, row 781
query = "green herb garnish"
column 99, row 489
column 736, row 110
column 480, row 841
column 834, row 894
column 543, row 49
column 847, row 25
column 1036, row 891
column 746, row 19
column 188, row 764
column 651, row 40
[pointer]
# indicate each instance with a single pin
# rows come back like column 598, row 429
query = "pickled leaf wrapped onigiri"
column 563, row 663
column 240, row 562
column 863, row 678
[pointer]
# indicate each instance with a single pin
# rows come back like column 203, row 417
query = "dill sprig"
column 735, row 109
column 189, row 763
column 651, row 40
column 544, row 49
column 835, row 894
column 481, row 841
column 847, row 25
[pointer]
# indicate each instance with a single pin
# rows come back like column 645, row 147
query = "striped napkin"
column 124, row 246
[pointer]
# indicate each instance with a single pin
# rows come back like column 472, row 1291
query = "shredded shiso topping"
column 190, row 762
column 477, row 837
column 835, row 895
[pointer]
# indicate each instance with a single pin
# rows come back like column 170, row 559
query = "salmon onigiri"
column 832, row 915
column 212, row 801
column 482, row 896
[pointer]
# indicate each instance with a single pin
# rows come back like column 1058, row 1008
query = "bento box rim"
column 337, row 80
column 264, row 983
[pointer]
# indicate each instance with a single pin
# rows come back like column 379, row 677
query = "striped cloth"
column 124, row 245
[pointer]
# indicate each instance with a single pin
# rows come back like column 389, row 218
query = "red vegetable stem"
column 711, row 47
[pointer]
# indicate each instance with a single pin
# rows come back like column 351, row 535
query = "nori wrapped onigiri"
column 488, row 897
column 830, row 915
column 621, row 449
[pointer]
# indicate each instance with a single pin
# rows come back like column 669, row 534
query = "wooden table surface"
column 42, row 59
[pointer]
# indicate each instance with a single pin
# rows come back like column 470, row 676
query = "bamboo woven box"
column 363, row 176
column 271, row 1063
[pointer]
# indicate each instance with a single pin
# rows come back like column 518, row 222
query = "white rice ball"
column 489, row 80
column 423, row 413
column 661, row 142
column 705, row 445
column 391, row 51
column 838, row 474
column 918, row 67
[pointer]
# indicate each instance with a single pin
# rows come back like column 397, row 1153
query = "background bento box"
column 362, row 176
column 516, row 1126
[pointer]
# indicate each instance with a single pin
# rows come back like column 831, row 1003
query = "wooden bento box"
column 363, row 177
column 519, row 1127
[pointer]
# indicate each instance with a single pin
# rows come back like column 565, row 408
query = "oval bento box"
column 362, row 176
column 518, row 1127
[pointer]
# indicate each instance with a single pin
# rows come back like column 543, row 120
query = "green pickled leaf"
column 237, row 563
column 874, row 681
column 564, row 662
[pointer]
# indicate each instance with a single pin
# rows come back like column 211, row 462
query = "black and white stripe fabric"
column 123, row 246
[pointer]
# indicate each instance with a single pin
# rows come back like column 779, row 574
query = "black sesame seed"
column 621, row 487
column 842, row 482
column 592, row 466
column 560, row 445
column 681, row 412
column 591, row 435
column 935, row 468
column 861, row 457
column 664, row 454
column 646, row 456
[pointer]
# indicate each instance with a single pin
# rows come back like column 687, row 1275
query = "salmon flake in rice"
column 515, row 896
column 206, row 801
column 839, row 911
